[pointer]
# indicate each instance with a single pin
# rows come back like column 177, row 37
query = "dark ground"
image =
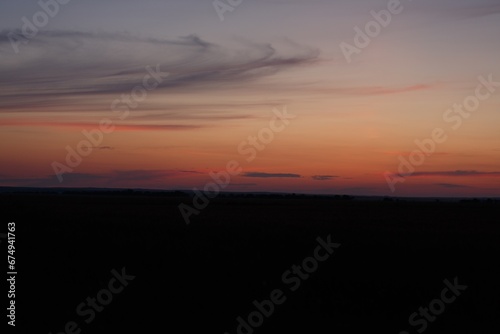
column 393, row 259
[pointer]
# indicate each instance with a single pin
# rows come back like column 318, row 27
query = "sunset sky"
column 354, row 119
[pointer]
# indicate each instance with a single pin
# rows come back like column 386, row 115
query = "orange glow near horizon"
column 411, row 114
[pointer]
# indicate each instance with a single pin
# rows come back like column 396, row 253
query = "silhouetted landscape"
column 250, row 167
column 393, row 257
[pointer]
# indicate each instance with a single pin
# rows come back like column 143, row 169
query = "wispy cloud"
column 376, row 90
column 52, row 181
column 117, row 127
column 191, row 172
column 271, row 175
column 323, row 177
column 454, row 173
column 138, row 175
column 99, row 67
column 403, row 153
column 475, row 11
column 243, row 184
column 117, row 178
column 451, row 185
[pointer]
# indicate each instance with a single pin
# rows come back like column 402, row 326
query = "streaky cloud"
column 102, row 66
column 451, row 185
column 271, row 175
column 453, row 173
column 323, row 177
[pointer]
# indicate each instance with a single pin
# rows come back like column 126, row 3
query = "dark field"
column 393, row 259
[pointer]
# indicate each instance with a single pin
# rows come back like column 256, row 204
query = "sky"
column 363, row 97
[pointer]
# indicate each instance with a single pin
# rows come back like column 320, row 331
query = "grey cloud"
column 243, row 184
column 51, row 180
column 451, row 185
column 190, row 171
column 76, row 68
column 323, row 177
column 454, row 173
column 138, row 175
column 271, row 175
column 114, row 178
column 476, row 10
